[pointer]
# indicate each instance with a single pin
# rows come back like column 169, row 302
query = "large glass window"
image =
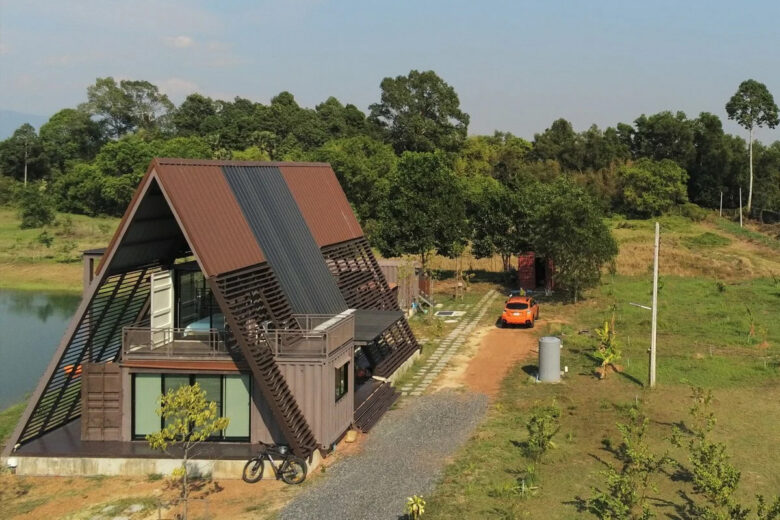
column 342, row 381
column 231, row 392
column 196, row 308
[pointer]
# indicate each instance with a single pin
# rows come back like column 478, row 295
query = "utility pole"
column 740, row 206
column 720, row 213
column 655, row 305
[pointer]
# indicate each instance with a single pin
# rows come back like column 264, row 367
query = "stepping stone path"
column 447, row 348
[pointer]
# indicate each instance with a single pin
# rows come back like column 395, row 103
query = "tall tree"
column 752, row 106
column 128, row 105
column 22, row 155
column 424, row 211
column 420, row 113
column 70, row 135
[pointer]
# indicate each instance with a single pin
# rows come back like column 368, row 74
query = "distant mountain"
column 10, row 120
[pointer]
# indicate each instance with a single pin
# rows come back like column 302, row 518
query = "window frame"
column 221, row 437
column 342, row 377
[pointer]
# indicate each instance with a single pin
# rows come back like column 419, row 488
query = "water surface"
column 31, row 326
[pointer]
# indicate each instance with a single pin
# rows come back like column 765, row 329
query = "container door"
column 161, row 310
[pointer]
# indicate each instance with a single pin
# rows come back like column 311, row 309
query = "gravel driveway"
column 403, row 456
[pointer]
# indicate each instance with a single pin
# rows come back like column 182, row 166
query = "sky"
column 516, row 65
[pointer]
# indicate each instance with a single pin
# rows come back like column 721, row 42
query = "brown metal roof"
column 210, row 217
column 213, row 222
column 322, row 202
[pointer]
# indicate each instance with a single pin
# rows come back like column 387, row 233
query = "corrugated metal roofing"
column 369, row 324
column 288, row 244
column 209, row 213
column 322, row 203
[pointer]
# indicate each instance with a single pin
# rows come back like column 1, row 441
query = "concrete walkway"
column 447, row 348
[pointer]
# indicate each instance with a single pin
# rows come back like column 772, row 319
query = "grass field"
column 718, row 303
column 48, row 258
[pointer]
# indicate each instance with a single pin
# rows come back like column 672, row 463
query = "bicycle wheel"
column 294, row 471
column 253, row 470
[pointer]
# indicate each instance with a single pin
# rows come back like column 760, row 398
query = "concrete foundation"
column 132, row 467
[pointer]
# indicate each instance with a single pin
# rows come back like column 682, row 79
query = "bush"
column 36, row 206
column 693, row 212
column 542, row 426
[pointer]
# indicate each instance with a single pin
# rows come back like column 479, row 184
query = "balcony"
column 173, row 343
column 315, row 336
column 310, row 336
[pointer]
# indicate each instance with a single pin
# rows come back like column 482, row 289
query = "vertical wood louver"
column 250, row 297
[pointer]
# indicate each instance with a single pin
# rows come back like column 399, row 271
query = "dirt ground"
column 74, row 498
column 488, row 355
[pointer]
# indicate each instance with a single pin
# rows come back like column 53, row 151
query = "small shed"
column 403, row 277
column 534, row 272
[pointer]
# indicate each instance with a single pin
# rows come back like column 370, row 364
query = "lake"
column 31, row 326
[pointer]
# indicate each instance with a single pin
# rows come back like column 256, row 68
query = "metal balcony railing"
column 159, row 343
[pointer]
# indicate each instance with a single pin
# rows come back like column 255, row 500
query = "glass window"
column 342, row 381
column 516, row 306
column 231, row 392
column 236, row 405
column 146, row 400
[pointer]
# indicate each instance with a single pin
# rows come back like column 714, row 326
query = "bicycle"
column 292, row 470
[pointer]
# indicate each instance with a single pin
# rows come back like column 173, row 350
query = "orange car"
column 520, row 310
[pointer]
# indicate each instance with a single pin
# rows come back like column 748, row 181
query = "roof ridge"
column 173, row 161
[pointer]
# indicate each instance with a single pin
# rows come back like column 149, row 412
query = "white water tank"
column 549, row 359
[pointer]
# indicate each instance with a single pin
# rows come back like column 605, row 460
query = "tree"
column 128, row 105
column 752, row 106
column 189, row 420
column 559, row 143
column 22, row 155
column 500, row 219
column 420, row 113
column 70, row 135
column 197, row 115
column 570, row 231
column 664, row 136
column 424, row 210
column 341, row 121
column 364, row 168
column 648, row 188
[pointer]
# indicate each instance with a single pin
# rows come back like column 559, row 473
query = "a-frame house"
column 253, row 279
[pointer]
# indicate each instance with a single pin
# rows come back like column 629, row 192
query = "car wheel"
column 502, row 324
column 531, row 325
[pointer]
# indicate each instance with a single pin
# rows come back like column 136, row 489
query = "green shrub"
column 36, row 207
column 693, row 212
column 542, row 426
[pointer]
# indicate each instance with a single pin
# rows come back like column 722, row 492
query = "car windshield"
column 516, row 305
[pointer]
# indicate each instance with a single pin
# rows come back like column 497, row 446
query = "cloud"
column 179, row 42
column 177, row 88
column 4, row 49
